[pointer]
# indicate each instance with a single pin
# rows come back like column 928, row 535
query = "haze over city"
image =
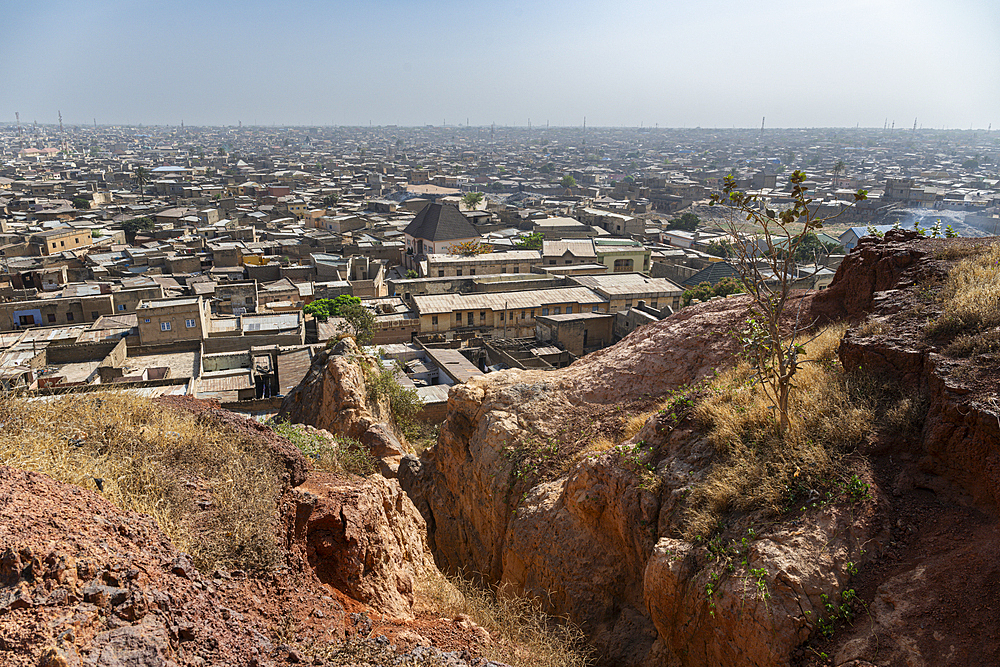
column 719, row 63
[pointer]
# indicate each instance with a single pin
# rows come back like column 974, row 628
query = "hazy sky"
column 709, row 63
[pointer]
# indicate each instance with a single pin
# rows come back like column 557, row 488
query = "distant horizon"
column 331, row 63
column 68, row 124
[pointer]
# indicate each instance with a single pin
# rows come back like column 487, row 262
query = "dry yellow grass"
column 759, row 464
column 155, row 461
column 971, row 295
column 635, row 423
column 522, row 635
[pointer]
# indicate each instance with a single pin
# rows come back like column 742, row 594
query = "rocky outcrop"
column 333, row 397
column 365, row 540
column 596, row 542
column 508, row 496
column 86, row 584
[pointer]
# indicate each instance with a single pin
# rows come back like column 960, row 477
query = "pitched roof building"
column 435, row 228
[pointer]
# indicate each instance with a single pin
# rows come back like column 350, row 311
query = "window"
column 545, row 311
column 62, row 244
column 652, row 304
column 552, row 261
column 623, row 265
column 556, row 310
column 532, row 313
column 522, row 314
column 503, row 269
column 440, row 273
column 458, row 317
column 517, row 269
column 569, row 309
column 94, row 314
column 147, row 320
column 482, row 315
column 594, row 309
column 51, row 317
column 121, row 307
column 459, row 272
column 69, row 317
column 164, row 326
column 434, row 320
column 470, row 321
column 76, row 240
column 568, row 261
column 628, row 304
column 501, row 317
column 190, row 324
column 472, row 272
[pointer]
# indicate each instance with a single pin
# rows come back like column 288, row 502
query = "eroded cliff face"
column 509, row 492
column 508, row 495
column 333, row 397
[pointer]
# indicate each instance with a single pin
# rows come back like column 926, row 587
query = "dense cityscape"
column 205, row 260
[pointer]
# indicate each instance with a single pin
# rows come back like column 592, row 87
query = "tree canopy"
column 531, row 241
column 687, row 222
column 471, row 200
column 568, row 181
column 324, row 309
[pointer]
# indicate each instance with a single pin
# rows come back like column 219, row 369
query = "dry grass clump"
column 759, row 465
column 971, row 296
column 213, row 492
column 521, row 634
column 635, row 423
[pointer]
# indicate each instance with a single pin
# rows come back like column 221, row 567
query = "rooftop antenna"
column 914, row 124
column 885, row 125
column 60, row 124
column 762, row 119
column 241, row 124
column 95, row 123
column 20, row 137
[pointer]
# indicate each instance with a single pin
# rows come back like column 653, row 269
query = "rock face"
column 594, row 542
column 333, row 397
column 85, row 584
column 597, row 537
column 365, row 540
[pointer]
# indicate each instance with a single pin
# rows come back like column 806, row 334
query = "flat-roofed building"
column 502, row 314
column 512, row 261
column 622, row 255
column 59, row 240
column 624, row 290
column 168, row 320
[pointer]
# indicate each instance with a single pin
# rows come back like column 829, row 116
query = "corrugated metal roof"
column 274, row 322
column 627, row 283
column 447, row 303
column 225, row 381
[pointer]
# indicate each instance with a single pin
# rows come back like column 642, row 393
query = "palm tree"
column 141, row 178
column 838, row 168
column 471, row 200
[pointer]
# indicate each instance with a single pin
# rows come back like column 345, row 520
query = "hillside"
column 643, row 493
column 675, row 529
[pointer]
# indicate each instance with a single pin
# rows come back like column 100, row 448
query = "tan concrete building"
column 59, row 240
column 624, row 290
column 502, row 314
column 168, row 320
column 17, row 315
column 513, row 261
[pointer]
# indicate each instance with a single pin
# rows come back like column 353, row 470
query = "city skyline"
column 634, row 64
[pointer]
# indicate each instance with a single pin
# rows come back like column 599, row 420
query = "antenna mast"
column 20, row 137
